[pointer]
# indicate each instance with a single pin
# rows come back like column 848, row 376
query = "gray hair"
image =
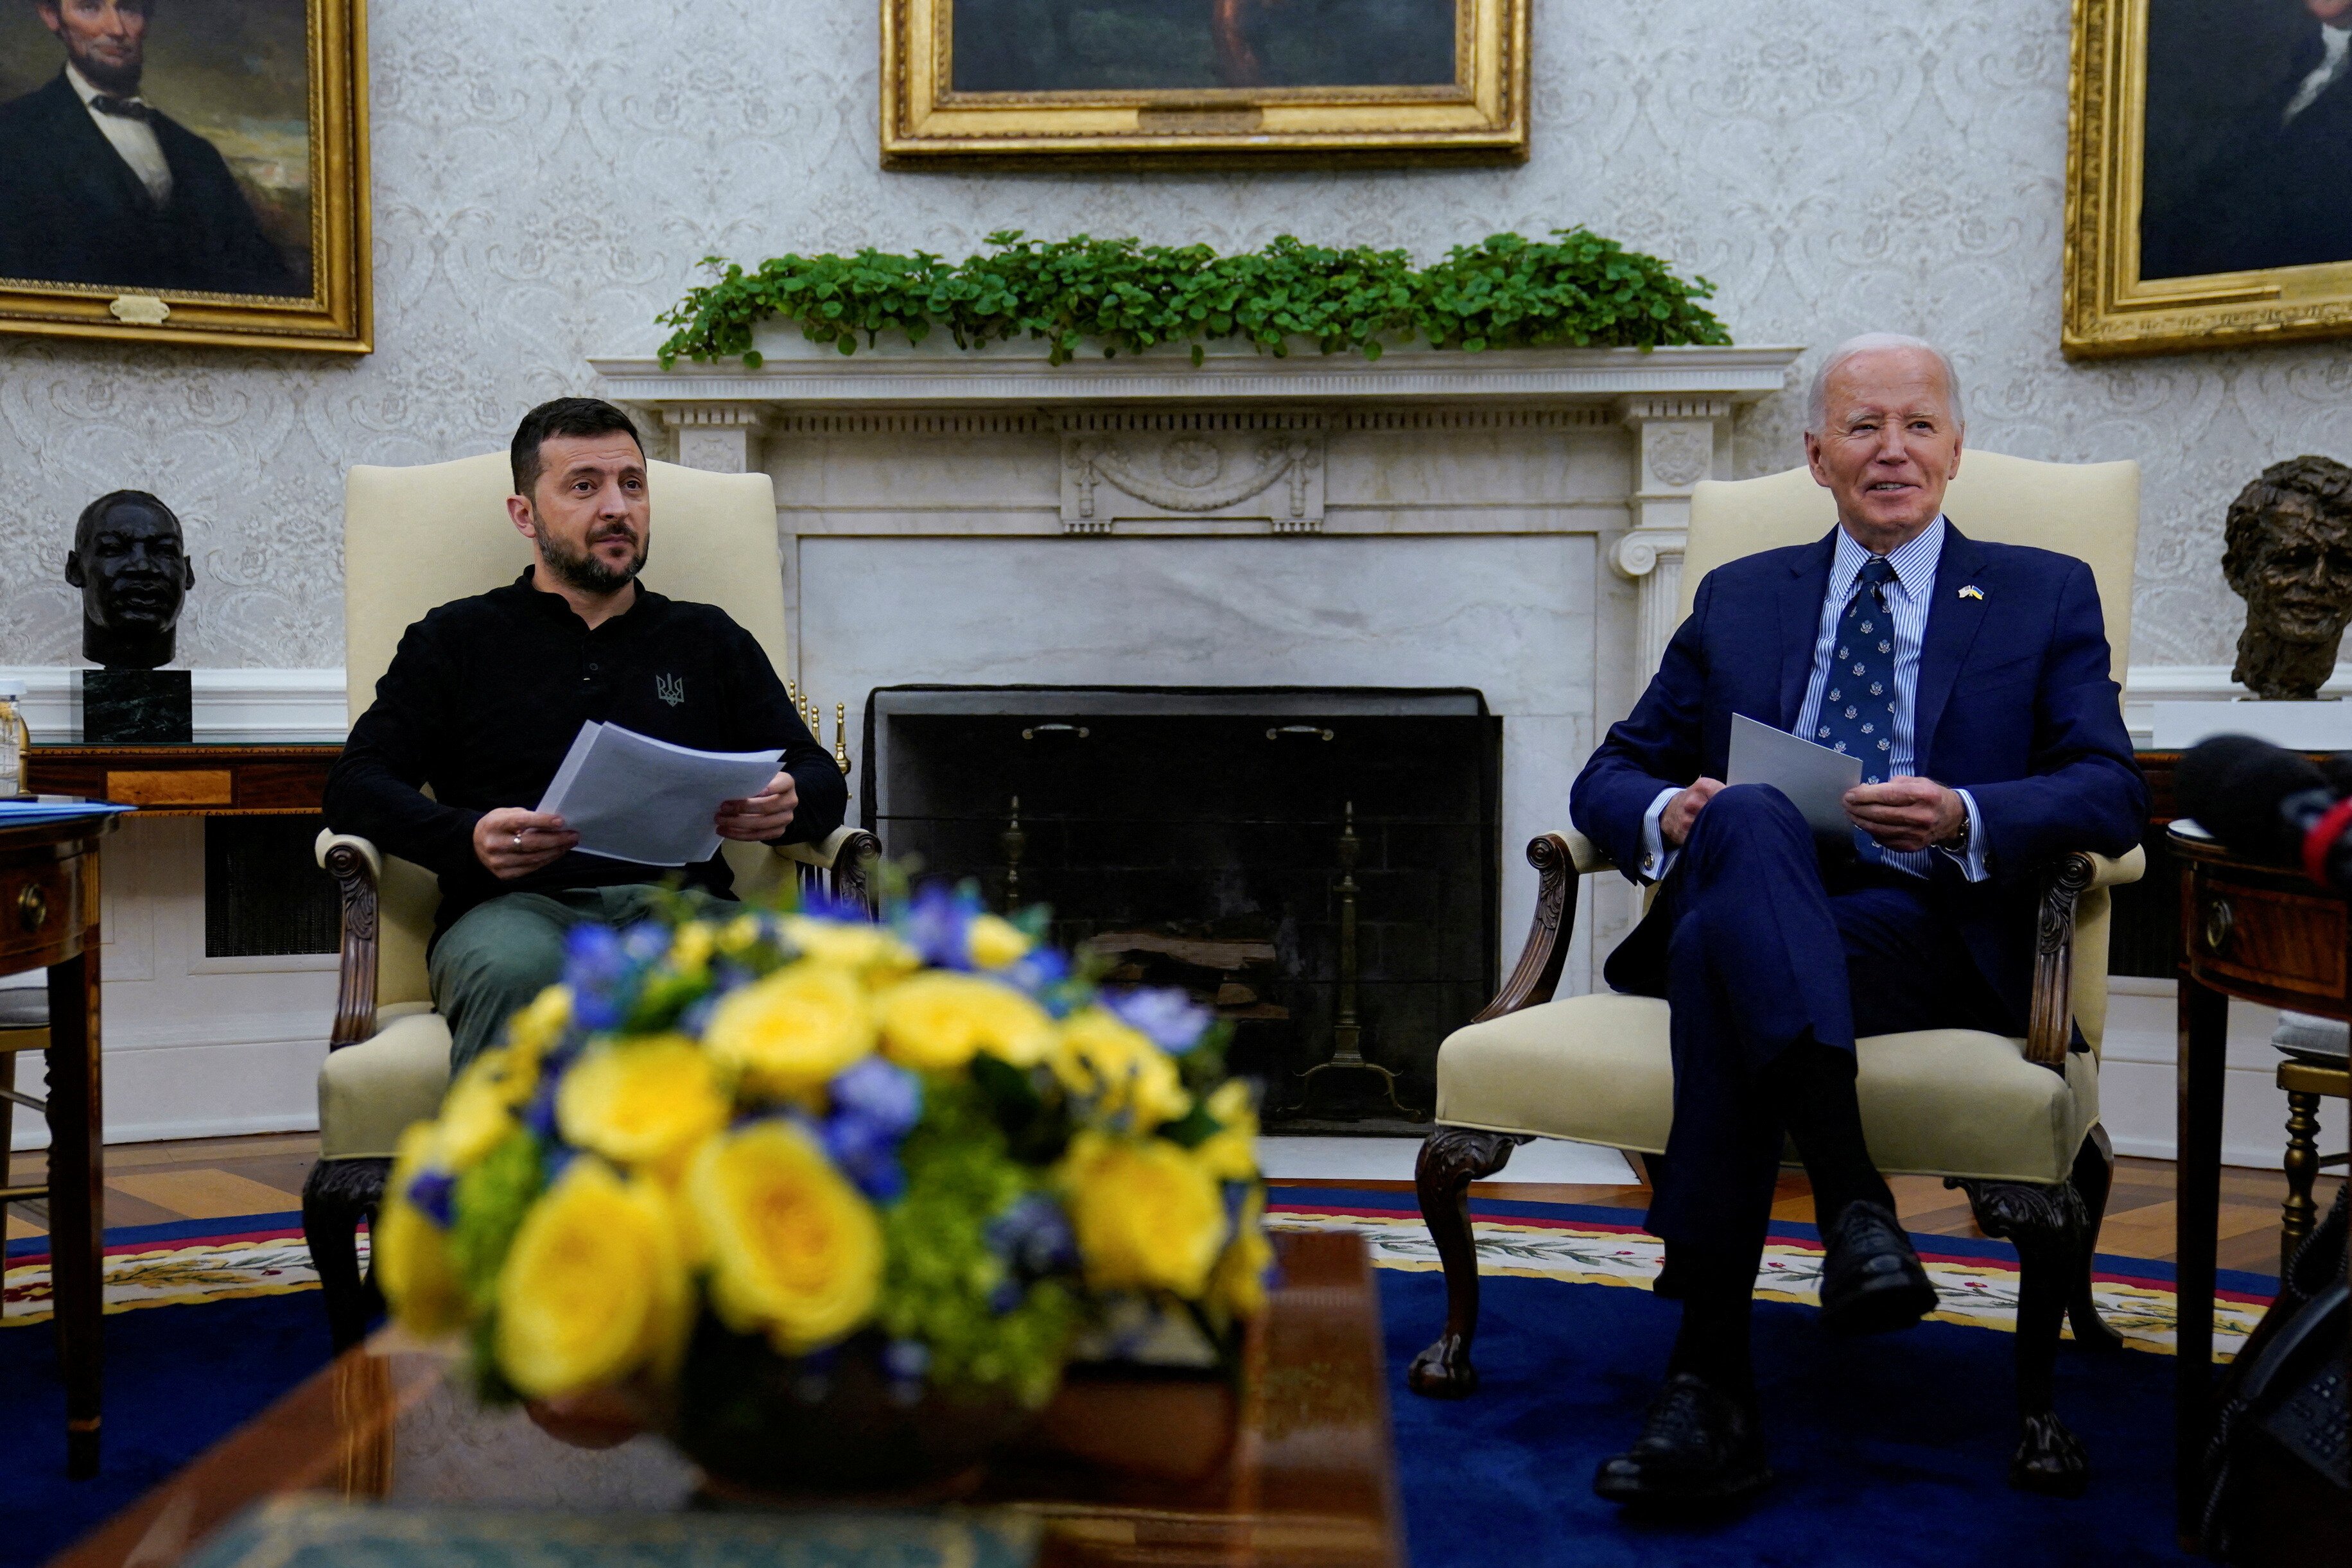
column 1817, row 396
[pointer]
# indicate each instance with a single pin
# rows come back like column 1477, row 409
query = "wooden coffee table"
column 1308, row 1479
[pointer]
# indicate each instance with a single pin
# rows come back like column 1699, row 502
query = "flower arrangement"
column 742, row 1149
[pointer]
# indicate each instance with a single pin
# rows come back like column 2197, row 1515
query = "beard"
column 122, row 82
column 580, row 569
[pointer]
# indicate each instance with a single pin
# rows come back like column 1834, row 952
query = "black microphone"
column 2270, row 804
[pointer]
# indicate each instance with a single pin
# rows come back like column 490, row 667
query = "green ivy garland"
column 1507, row 291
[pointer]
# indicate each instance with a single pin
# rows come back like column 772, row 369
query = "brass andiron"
column 841, row 737
column 1013, row 841
column 1347, row 1032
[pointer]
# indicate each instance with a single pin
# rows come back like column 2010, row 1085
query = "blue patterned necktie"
column 1858, row 698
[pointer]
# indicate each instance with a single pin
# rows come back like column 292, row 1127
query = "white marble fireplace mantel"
column 1427, row 519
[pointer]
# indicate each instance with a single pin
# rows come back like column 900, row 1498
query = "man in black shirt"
column 485, row 696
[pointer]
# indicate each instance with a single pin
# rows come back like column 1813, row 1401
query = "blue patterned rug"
column 1891, row 1452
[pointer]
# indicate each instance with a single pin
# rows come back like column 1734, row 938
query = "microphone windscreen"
column 2233, row 784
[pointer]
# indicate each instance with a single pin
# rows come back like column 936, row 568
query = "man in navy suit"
column 99, row 186
column 1972, row 680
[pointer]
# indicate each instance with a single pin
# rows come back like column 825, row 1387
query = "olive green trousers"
column 503, row 952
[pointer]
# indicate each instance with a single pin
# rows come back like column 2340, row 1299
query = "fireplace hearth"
column 1321, row 866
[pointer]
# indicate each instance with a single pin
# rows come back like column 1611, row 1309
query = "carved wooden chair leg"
column 2048, row 1226
column 2094, row 1178
column 1451, row 1159
column 337, row 1196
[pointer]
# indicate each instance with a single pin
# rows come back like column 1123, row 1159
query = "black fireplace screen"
column 1318, row 865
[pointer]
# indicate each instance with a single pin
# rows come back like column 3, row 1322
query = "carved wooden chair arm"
column 2050, row 1029
column 357, row 866
column 850, row 854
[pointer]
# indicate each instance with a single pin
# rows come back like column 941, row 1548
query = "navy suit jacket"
column 71, row 210
column 2015, row 704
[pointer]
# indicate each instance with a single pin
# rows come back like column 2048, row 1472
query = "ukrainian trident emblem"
column 670, row 689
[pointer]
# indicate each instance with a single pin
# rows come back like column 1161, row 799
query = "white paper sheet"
column 632, row 797
column 1814, row 778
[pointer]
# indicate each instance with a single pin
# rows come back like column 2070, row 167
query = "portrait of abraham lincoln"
column 1097, row 46
column 159, row 146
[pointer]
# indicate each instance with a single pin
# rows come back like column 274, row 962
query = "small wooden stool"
column 2305, row 1082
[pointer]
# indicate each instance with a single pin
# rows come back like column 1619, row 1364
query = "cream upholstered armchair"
column 412, row 539
column 2013, row 1122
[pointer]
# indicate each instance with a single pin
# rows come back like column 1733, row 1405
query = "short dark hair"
column 564, row 416
column 99, row 510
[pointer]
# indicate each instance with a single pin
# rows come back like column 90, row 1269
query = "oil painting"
column 183, row 169
column 1230, row 81
column 2210, row 197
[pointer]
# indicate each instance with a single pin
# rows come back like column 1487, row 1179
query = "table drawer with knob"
column 2286, row 941
column 41, row 905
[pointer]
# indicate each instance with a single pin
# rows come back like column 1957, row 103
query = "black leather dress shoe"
column 1699, row 1446
column 1871, row 1281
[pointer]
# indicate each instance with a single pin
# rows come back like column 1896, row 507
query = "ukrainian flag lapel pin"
column 1972, row 592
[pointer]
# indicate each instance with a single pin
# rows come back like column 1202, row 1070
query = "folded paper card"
column 632, row 797
column 1814, row 778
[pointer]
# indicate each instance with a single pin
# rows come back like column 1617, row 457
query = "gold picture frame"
column 2177, row 235
column 297, row 177
column 1106, row 110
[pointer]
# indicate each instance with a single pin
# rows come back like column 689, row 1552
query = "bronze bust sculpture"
column 2287, row 551
column 130, row 562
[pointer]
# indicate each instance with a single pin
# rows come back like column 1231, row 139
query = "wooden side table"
column 2263, row 934
column 49, row 919
column 200, row 778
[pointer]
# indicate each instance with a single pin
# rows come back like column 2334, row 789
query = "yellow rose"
column 477, row 1114
column 1230, row 1155
column 937, row 1022
column 641, row 1102
column 1147, row 1217
column 538, row 1025
column 1238, row 1284
column 873, row 951
column 1100, row 1058
column 994, row 942
column 794, row 1252
column 407, row 1252
column 740, row 933
column 593, row 1289
column 793, row 1031
column 690, row 947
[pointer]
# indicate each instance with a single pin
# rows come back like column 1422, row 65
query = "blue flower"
column 1033, row 1237
column 906, row 1358
column 824, row 905
column 936, row 924
column 430, row 1194
column 1170, row 1019
column 888, row 1098
column 1042, row 974
column 540, row 1116
column 597, row 967
column 867, row 1152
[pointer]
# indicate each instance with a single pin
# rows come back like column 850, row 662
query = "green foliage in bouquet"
column 1575, row 290
column 802, row 1135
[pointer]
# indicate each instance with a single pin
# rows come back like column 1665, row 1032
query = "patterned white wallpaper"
column 547, row 176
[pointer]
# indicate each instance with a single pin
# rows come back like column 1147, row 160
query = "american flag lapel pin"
column 1972, row 592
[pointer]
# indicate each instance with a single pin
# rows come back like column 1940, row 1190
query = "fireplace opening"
column 1321, row 866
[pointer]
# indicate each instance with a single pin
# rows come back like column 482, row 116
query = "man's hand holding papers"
column 764, row 816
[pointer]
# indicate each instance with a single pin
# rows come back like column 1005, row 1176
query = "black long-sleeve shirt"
column 485, row 696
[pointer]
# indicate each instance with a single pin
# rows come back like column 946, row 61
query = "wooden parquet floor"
column 213, row 1178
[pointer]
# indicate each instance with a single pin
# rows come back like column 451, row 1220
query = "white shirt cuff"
column 1656, row 859
column 1971, row 861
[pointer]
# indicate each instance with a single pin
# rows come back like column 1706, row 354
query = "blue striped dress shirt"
column 1907, row 600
